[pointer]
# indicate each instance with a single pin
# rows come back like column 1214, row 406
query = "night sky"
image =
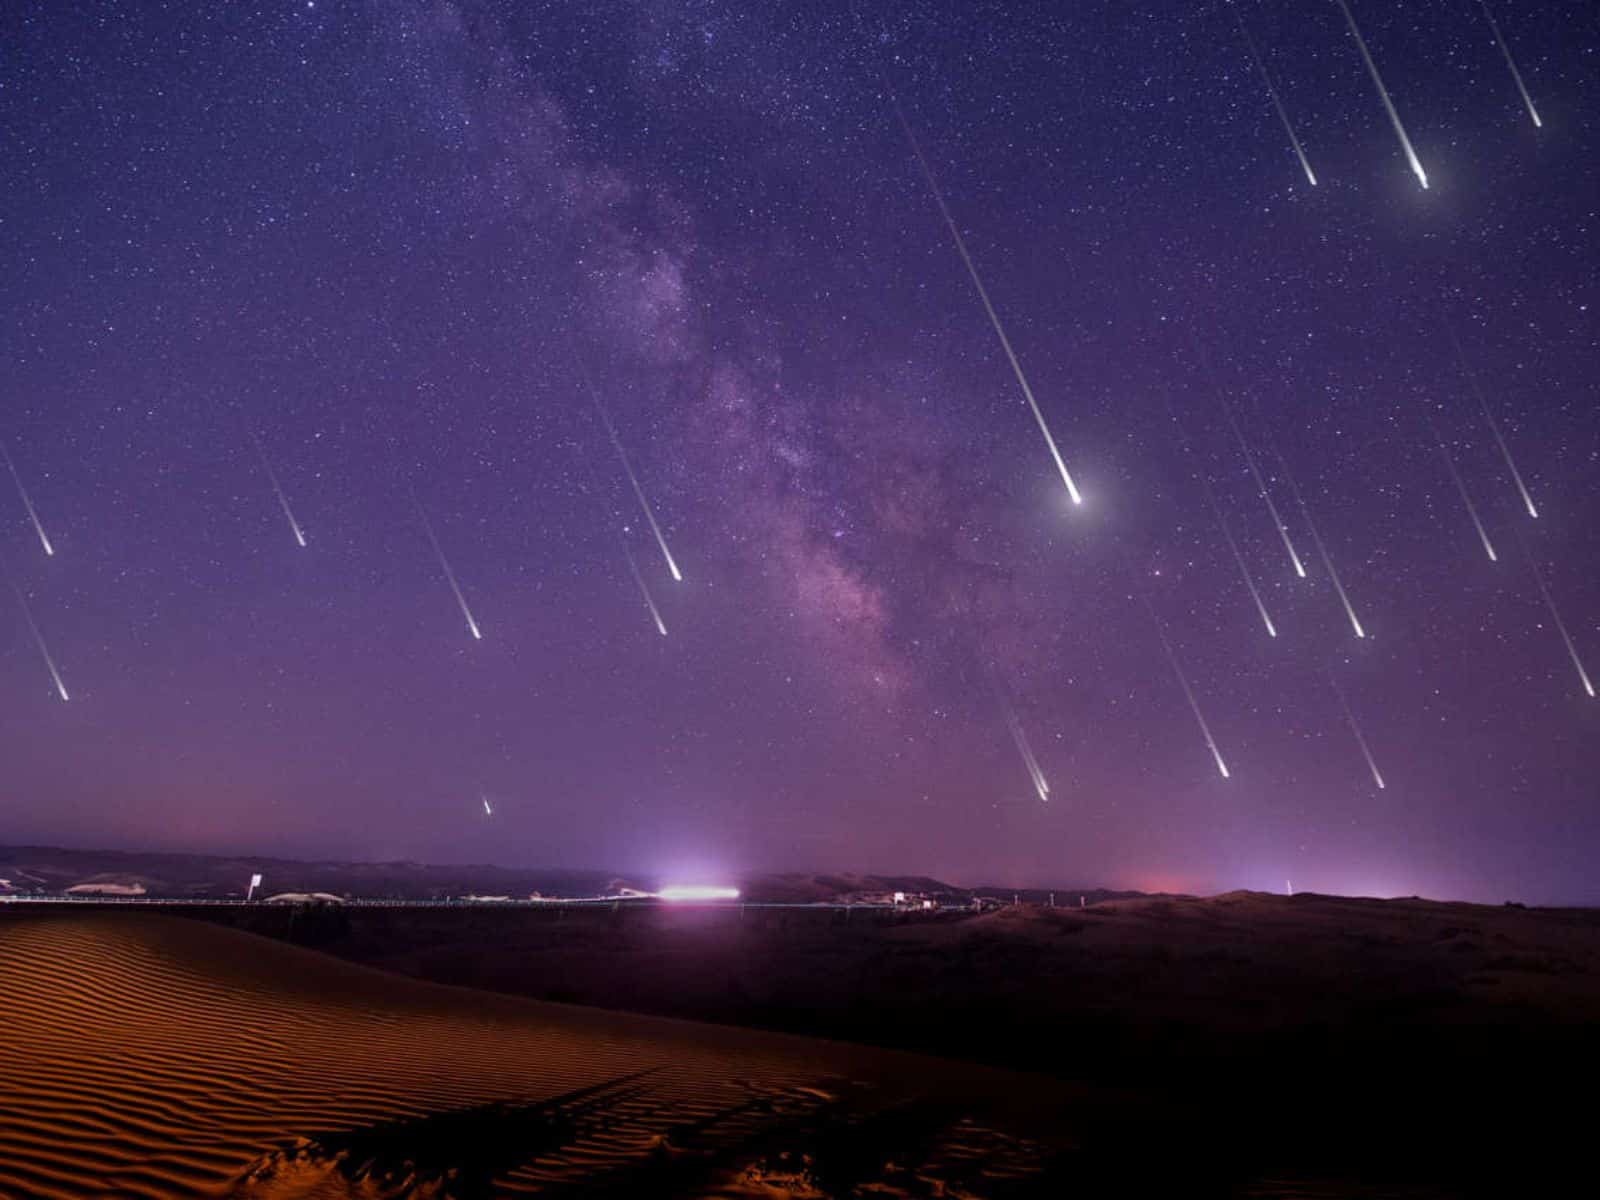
column 385, row 238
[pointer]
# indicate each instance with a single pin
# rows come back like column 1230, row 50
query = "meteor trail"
column 1555, row 615
column 983, row 294
column 1472, row 509
column 1510, row 62
column 1361, row 741
column 1183, row 681
column 27, row 502
column 1383, row 94
column 487, row 811
column 1261, row 486
column 1019, row 738
column 627, row 467
column 283, row 501
column 1322, row 548
column 1227, row 534
column 1283, row 114
column 27, row 613
column 1494, row 426
column 445, row 564
column 644, row 588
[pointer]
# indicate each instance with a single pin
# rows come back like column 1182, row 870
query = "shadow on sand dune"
column 796, row 1142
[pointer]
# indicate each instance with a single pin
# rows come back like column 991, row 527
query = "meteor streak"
column 627, row 467
column 27, row 613
column 1555, row 615
column 1019, row 738
column 1283, row 114
column 988, row 306
column 1227, row 534
column 1461, row 487
column 1383, row 94
column 487, row 811
column 1494, row 426
column 283, row 501
column 1183, row 681
column 644, row 588
column 27, row 502
column 1261, row 486
column 1350, row 718
column 1510, row 62
column 1322, row 548
column 445, row 564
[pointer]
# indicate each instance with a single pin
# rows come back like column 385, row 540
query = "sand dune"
column 150, row 1056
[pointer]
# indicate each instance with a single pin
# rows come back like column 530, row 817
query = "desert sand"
column 143, row 1055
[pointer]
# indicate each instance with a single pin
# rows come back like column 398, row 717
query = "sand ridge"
column 151, row 1056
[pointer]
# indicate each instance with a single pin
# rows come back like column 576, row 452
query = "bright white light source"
column 696, row 891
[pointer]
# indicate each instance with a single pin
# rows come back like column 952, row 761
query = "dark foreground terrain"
column 1242, row 1045
column 1408, row 1042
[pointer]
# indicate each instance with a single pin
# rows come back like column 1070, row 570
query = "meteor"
column 1227, row 534
column 27, row 502
column 1510, row 62
column 1555, row 615
column 283, row 501
column 1183, row 681
column 644, row 588
column 627, row 467
column 988, row 306
column 445, row 564
column 1322, row 548
column 1494, row 426
column 487, row 811
column 1383, row 94
column 27, row 613
column 1350, row 718
column 1019, row 738
column 1261, row 486
column 1272, row 91
column 1461, row 487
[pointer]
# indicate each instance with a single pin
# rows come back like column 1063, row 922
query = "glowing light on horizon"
column 698, row 891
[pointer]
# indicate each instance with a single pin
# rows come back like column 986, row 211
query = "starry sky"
column 387, row 239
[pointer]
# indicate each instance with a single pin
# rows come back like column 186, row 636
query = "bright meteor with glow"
column 27, row 501
column 988, row 306
column 1383, row 94
column 444, row 563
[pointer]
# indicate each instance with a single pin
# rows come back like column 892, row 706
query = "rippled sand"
column 150, row 1056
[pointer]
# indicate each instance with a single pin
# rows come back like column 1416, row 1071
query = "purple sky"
column 381, row 237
